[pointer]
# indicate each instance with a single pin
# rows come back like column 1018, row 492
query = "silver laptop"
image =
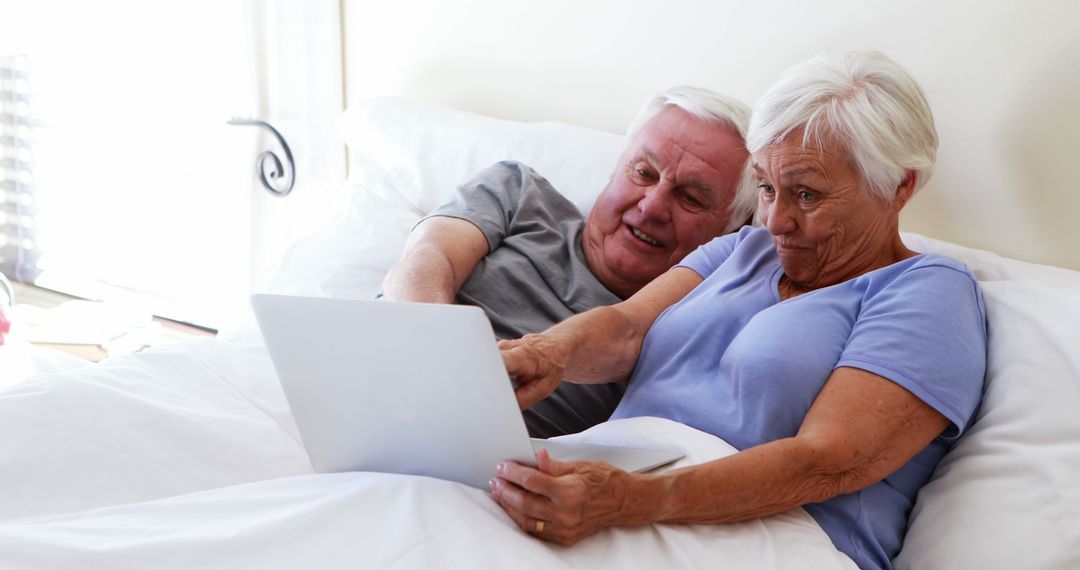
column 407, row 388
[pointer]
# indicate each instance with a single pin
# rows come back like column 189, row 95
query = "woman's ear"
column 905, row 190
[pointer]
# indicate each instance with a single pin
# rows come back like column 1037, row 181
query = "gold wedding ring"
column 539, row 527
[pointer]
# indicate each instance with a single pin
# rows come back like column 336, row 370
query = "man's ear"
column 905, row 190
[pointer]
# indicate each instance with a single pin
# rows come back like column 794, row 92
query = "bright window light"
column 138, row 183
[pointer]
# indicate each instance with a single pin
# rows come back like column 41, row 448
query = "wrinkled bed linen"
column 187, row 456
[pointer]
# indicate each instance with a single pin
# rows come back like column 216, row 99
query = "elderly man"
column 512, row 245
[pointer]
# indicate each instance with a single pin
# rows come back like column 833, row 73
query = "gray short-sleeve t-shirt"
column 534, row 276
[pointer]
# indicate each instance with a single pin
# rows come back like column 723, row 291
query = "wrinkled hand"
column 573, row 500
column 536, row 363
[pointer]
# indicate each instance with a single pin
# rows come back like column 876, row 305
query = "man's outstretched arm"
column 438, row 258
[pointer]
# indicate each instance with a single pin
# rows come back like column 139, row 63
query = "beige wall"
column 1002, row 76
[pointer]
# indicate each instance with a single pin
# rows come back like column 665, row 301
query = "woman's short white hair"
column 867, row 102
column 711, row 107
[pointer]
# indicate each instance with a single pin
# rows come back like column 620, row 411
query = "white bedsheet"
column 187, row 457
column 20, row 359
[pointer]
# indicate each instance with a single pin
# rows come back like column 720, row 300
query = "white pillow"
column 1008, row 496
column 989, row 266
column 348, row 258
column 423, row 152
column 408, row 158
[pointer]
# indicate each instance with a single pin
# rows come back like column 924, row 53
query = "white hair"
column 867, row 102
column 711, row 107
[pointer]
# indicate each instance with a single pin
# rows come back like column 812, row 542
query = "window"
column 138, row 187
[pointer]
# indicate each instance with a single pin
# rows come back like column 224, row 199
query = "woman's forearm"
column 602, row 345
column 761, row 481
column 860, row 429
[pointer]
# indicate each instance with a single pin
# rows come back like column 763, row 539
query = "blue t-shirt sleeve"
column 707, row 257
column 926, row 331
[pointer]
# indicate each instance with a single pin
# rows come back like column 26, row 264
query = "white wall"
column 1002, row 76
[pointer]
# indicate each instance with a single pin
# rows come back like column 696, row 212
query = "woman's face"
column 827, row 226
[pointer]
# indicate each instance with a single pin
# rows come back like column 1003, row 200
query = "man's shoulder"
column 529, row 189
column 509, row 174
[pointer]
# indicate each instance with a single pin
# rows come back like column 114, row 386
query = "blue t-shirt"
column 733, row 360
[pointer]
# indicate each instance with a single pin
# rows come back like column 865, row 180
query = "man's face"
column 671, row 192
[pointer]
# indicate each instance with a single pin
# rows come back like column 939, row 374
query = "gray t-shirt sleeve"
column 494, row 198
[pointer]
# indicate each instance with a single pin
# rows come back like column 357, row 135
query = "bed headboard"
column 1002, row 77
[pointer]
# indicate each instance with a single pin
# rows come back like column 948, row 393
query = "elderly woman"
column 839, row 362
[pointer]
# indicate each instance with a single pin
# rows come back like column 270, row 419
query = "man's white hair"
column 711, row 107
column 867, row 102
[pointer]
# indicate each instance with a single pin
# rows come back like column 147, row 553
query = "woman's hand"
column 536, row 363
column 599, row 345
column 562, row 502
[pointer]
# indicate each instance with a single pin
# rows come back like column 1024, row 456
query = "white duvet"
column 187, row 457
